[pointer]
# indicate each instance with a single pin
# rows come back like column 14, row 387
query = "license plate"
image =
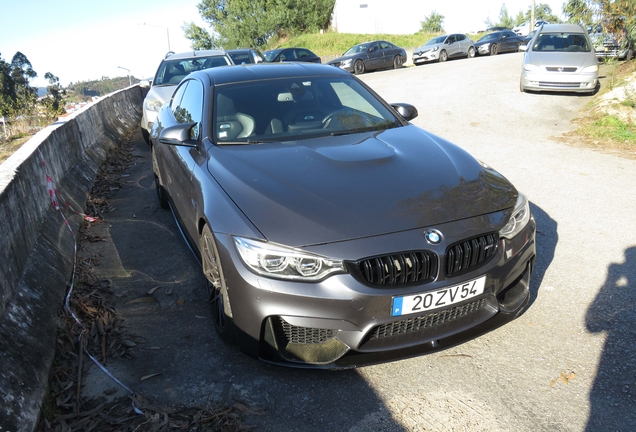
column 440, row 298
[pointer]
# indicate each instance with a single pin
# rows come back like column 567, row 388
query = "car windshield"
column 490, row 36
column 289, row 109
column 357, row 49
column 437, row 40
column 171, row 72
column 560, row 42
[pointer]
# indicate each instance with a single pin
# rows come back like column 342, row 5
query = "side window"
column 177, row 96
column 302, row 53
column 375, row 47
column 451, row 39
column 190, row 107
column 461, row 37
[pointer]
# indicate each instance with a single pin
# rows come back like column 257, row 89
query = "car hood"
column 323, row 190
column 567, row 59
column 161, row 92
column 480, row 43
column 347, row 57
column 427, row 47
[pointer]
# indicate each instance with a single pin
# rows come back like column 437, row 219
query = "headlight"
column 530, row 67
column 590, row 69
column 435, row 49
column 519, row 218
column 281, row 262
column 346, row 63
column 152, row 104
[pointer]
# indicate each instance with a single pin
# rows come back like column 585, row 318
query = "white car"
column 173, row 68
column 442, row 48
column 524, row 28
column 560, row 58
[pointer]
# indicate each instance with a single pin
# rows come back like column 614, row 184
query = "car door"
column 375, row 56
column 186, row 107
column 388, row 53
column 462, row 44
column 509, row 41
column 453, row 46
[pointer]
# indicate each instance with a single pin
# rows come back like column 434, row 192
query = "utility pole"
column 532, row 16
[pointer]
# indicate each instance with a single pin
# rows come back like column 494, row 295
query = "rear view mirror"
column 178, row 135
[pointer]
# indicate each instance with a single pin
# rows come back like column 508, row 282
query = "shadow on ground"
column 613, row 312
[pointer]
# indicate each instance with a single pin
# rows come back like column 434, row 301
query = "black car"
column 291, row 55
column 498, row 42
column 246, row 55
column 332, row 232
column 370, row 56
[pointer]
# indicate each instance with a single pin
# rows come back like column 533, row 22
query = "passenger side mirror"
column 144, row 84
column 407, row 111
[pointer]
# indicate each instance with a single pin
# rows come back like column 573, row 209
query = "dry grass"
column 609, row 122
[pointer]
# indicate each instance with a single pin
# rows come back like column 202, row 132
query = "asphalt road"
column 568, row 363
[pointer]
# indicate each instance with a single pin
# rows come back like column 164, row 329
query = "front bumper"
column 611, row 52
column 425, row 57
column 559, row 81
column 344, row 66
column 343, row 323
column 483, row 49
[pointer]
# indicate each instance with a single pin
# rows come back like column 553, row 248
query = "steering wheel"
column 336, row 117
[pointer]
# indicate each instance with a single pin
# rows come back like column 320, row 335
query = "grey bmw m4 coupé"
column 332, row 232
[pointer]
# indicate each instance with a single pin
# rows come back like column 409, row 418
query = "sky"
column 80, row 40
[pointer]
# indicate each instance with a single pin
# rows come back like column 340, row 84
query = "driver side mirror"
column 144, row 84
column 178, row 135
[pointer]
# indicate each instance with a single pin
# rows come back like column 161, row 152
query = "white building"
column 379, row 16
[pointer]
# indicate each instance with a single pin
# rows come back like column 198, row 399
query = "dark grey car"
column 332, row 232
column 498, row 42
column 371, row 56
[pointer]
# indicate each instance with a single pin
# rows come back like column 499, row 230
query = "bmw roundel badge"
column 434, row 237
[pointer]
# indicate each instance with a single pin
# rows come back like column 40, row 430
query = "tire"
column 146, row 135
column 161, row 192
column 521, row 89
column 443, row 56
column 358, row 67
column 215, row 286
column 494, row 49
column 397, row 62
column 471, row 52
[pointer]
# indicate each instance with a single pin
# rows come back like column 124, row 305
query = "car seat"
column 230, row 124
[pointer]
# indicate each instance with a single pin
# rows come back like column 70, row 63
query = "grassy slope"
column 333, row 44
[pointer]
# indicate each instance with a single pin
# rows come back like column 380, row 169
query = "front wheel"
column 161, row 192
column 215, row 286
column 443, row 56
column 358, row 67
column 397, row 62
column 494, row 49
column 471, row 52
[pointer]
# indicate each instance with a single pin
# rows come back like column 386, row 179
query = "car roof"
column 250, row 72
column 191, row 54
column 556, row 28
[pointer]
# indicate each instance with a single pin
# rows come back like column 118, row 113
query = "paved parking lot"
column 568, row 363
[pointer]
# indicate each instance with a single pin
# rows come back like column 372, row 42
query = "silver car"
column 173, row 68
column 442, row 48
column 560, row 57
